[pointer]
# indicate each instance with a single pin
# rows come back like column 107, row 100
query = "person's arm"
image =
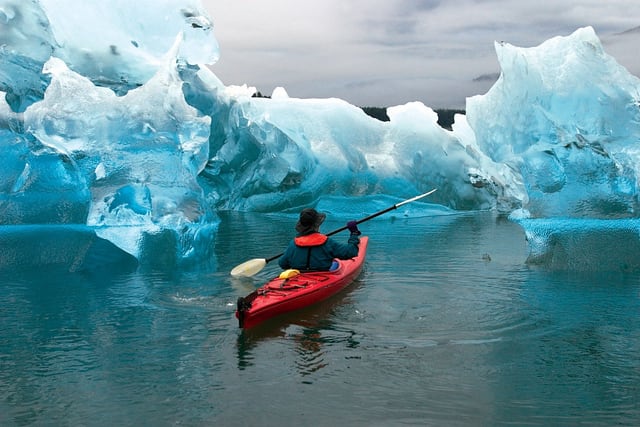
column 342, row 251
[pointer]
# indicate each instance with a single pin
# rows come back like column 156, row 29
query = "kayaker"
column 311, row 250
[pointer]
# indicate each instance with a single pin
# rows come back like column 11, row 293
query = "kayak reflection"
column 309, row 328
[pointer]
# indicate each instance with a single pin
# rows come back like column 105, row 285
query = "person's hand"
column 353, row 227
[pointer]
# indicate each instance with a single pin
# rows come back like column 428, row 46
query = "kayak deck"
column 280, row 296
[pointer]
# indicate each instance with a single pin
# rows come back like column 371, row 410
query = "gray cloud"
column 373, row 52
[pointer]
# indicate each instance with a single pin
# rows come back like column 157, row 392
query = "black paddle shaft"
column 345, row 227
column 384, row 211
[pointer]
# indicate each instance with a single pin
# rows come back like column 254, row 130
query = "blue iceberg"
column 115, row 122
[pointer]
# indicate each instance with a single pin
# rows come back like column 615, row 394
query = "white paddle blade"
column 413, row 199
column 249, row 268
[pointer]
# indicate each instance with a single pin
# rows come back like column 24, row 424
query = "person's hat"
column 310, row 219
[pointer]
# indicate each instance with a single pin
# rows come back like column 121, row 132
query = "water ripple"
column 433, row 333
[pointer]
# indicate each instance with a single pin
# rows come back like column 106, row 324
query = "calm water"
column 446, row 326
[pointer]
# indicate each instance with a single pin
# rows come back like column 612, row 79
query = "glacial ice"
column 574, row 137
column 112, row 119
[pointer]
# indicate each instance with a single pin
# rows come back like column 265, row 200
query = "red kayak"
column 284, row 295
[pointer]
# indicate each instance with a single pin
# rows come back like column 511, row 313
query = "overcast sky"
column 383, row 53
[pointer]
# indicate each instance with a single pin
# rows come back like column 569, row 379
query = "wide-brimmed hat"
column 310, row 219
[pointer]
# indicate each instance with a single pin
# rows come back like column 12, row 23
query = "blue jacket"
column 316, row 252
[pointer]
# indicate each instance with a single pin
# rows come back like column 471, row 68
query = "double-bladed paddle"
column 253, row 266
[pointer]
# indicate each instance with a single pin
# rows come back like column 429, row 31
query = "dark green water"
column 446, row 326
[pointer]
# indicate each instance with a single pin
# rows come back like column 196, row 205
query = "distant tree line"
column 445, row 116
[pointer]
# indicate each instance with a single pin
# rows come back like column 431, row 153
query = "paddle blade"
column 249, row 268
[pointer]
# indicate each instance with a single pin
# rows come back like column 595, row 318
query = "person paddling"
column 311, row 250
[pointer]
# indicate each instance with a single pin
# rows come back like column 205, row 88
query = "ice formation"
column 112, row 119
column 567, row 116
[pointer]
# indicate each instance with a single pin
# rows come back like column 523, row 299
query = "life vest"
column 313, row 239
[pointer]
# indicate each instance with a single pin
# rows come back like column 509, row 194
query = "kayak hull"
column 280, row 296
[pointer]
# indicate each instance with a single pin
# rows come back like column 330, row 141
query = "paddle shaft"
column 384, row 211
